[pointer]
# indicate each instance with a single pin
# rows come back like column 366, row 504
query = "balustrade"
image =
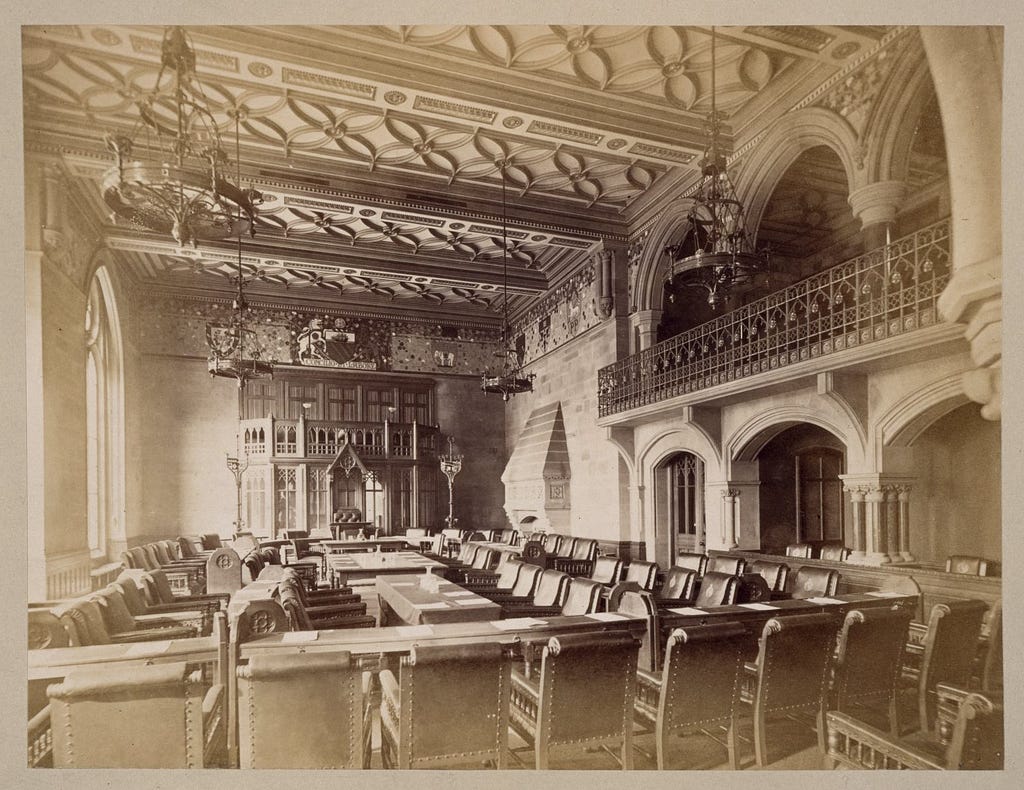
column 886, row 292
column 320, row 438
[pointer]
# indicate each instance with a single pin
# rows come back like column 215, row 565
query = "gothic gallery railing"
column 886, row 292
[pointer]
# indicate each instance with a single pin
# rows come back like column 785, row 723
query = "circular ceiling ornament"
column 395, row 97
column 457, row 226
column 106, row 37
column 259, row 69
column 616, row 144
column 513, row 122
column 367, row 212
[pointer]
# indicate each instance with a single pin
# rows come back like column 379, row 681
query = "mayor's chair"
column 159, row 716
column 303, row 710
column 448, row 706
column 583, row 696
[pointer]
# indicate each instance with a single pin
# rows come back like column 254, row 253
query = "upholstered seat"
column 723, row 563
column 775, row 574
column 868, row 659
column 717, row 589
column 580, row 559
column 805, row 550
column 305, row 710
column 448, row 706
column 794, row 654
column 548, row 597
column 695, row 562
column 811, row 582
column 502, row 581
column 159, row 591
column 672, row 703
column 971, row 566
column 976, row 741
column 352, row 615
column 552, row 542
column 679, row 587
column 638, row 576
column 122, row 625
column 525, row 584
column 834, row 552
column 197, row 615
column 947, row 655
column 160, row 716
column 582, row 697
column 606, row 570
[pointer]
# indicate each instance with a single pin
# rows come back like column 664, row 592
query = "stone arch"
column 678, row 440
column 789, row 137
column 750, row 438
column 651, row 270
column 907, row 419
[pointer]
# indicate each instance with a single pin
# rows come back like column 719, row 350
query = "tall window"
column 317, row 516
column 374, row 498
column 687, row 503
column 104, row 420
column 285, row 516
column 256, row 501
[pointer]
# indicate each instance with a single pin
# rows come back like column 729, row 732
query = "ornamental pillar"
column 644, row 328
column 730, row 517
column 876, row 205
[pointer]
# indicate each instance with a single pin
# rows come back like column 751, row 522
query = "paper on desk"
column 148, row 648
column 606, row 616
column 759, row 606
column 290, row 637
column 403, row 584
column 438, row 605
column 688, row 610
column 459, row 593
column 415, row 630
column 474, row 601
column 886, row 594
column 823, row 600
column 517, row 622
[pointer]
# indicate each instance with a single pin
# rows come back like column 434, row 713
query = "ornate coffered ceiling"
column 379, row 148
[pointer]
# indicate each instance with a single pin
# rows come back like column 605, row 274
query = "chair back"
column 116, row 615
column 527, row 580
column 129, row 561
column 793, row 662
column 156, row 709
column 270, row 555
column 159, row 587
column 509, row 537
column 223, row 571
column 977, row 741
column 695, row 562
column 186, row 547
column 551, row 588
column 724, row 563
column 643, row 573
column 775, row 574
column 253, row 564
column 713, row 653
column 584, row 549
column 484, row 559
column 298, row 619
column 584, row 597
column 140, row 560
column 243, row 543
column 163, row 556
column 587, row 688
column 992, row 666
column 834, row 552
column 805, row 550
column 467, row 553
column 950, row 648
column 172, row 548
column 869, row 657
column 811, row 582
column 680, row 583
column 606, row 570
column 507, row 575
column 133, row 596
column 210, row 541
column 46, row 630
column 967, row 565
column 301, row 710
column 717, row 589
column 641, row 604
column 452, row 706
column 552, row 543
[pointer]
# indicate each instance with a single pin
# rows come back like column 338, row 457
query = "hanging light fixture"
column 170, row 171
column 234, row 347
column 716, row 253
column 511, row 380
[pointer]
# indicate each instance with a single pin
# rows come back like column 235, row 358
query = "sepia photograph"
column 512, row 396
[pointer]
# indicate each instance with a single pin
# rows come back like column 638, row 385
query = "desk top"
column 417, row 599
column 498, row 546
column 338, row 546
column 383, row 562
column 56, row 662
column 400, row 639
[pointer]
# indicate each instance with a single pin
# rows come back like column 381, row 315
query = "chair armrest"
column 357, row 606
column 212, row 700
column 480, row 578
column 860, row 745
column 153, row 634
column 509, row 611
column 198, row 619
column 573, row 567
column 355, row 620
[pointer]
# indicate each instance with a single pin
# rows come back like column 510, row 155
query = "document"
column 886, row 594
column 688, row 610
column 438, row 605
column 606, row 616
column 823, row 600
column 517, row 622
column 758, row 606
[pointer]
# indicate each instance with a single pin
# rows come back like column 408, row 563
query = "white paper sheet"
column 606, row 616
column 761, row 607
column 517, row 623
column 475, row 601
column 438, row 605
column 886, row 594
column 823, row 600
column 148, row 648
column 299, row 636
column 688, row 610
column 460, row 594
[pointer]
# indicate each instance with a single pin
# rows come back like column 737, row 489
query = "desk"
column 404, row 600
column 56, row 662
column 363, row 544
column 503, row 547
column 347, row 567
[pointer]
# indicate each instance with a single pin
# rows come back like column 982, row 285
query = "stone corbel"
column 604, row 298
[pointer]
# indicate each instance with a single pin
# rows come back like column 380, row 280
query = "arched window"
column 374, row 498
column 679, row 506
column 104, row 421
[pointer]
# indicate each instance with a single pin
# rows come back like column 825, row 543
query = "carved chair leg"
column 760, row 739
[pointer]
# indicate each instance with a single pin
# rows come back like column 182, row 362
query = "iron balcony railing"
column 886, row 292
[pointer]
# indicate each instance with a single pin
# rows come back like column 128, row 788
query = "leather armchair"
column 501, row 582
column 606, row 570
column 449, row 705
column 834, row 552
column 303, row 710
column 717, row 589
column 580, row 561
column 734, row 566
column 693, row 561
column 595, row 673
column 804, row 550
column 198, row 616
column 548, row 597
column 679, row 588
column 160, row 716
column 123, row 626
column 775, row 574
column 971, row 566
column 811, row 582
column 672, row 704
column 526, row 582
column 300, row 620
column 159, row 591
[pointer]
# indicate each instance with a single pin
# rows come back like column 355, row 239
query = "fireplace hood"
column 537, row 475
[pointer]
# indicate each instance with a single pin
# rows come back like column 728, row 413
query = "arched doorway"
column 801, row 494
column 679, row 506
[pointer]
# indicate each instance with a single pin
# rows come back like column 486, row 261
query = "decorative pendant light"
column 716, row 253
column 170, row 172
column 511, row 380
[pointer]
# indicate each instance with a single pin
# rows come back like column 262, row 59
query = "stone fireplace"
column 537, row 475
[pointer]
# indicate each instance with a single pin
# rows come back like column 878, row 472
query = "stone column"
column 876, row 546
column 645, row 324
column 903, row 495
column 730, row 517
column 857, row 502
column 875, row 205
column 892, row 520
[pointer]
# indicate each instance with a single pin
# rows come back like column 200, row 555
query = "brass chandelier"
column 170, row 172
column 716, row 253
column 510, row 380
